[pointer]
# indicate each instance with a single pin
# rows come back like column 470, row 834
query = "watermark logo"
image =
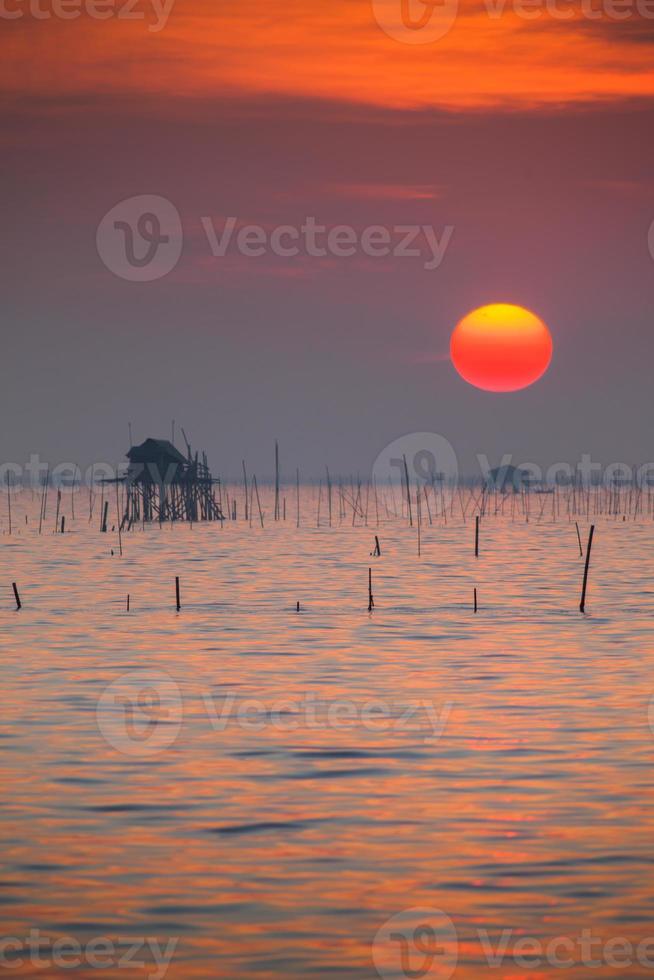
column 140, row 713
column 157, row 12
column 38, row 952
column 419, row 462
column 425, row 21
column 141, row 239
column 416, row 943
column 416, row 21
column 315, row 240
column 423, row 942
column 529, row 953
column 431, row 462
column 421, row 717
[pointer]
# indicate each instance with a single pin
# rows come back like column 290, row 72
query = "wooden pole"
column 329, row 495
column 297, row 484
column 19, row 604
column 582, row 604
column 408, row 491
column 119, row 522
column 371, row 601
column 245, row 487
column 45, row 492
column 276, row 480
column 581, row 550
column 177, row 598
column 42, row 507
column 91, row 485
column 477, row 536
column 256, row 490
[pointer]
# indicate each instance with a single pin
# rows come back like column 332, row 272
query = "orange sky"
column 334, row 50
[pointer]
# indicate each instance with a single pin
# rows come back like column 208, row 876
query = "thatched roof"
column 154, row 451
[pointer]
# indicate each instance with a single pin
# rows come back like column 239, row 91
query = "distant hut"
column 155, row 456
column 164, row 485
column 508, row 479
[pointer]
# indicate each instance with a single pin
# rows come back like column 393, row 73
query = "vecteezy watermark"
column 564, row 952
column 414, row 463
column 338, row 241
column 650, row 714
column 416, row 21
column 141, row 712
column 584, row 474
column 418, row 942
column 423, row 942
column 42, row 952
column 35, row 473
column 156, row 12
column 140, row 239
column 426, row 21
column 315, row 714
column 431, row 462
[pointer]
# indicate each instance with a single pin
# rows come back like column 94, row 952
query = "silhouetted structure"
column 508, row 478
column 164, row 485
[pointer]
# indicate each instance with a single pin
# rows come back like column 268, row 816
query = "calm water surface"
column 269, row 787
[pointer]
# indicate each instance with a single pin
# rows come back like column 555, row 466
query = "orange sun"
column 501, row 347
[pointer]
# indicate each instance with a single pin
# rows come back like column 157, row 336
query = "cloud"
column 335, row 52
column 387, row 192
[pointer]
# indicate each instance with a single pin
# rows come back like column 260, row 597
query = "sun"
column 501, row 347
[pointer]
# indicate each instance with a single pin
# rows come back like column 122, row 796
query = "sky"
column 520, row 138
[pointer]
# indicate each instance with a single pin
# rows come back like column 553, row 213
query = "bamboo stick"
column 582, row 604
